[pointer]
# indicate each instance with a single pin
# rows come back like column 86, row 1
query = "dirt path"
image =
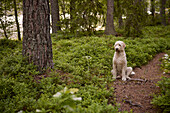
column 137, row 95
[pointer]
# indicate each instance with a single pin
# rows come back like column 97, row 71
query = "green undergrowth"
column 83, row 83
column 162, row 100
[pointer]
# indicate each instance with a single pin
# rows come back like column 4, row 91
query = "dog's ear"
column 124, row 45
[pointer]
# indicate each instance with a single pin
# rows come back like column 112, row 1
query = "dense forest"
column 56, row 55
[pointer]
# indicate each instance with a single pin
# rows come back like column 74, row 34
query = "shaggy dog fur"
column 120, row 62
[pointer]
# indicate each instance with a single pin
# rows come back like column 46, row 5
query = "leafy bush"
column 165, row 65
column 163, row 99
column 93, row 55
column 87, row 62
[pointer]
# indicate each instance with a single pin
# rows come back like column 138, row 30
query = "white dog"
column 120, row 62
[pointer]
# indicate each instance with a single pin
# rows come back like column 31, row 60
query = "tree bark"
column 55, row 16
column 37, row 44
column 4, row 29
column 120, row 14
column 16, row 19
column 162, row 12
column 153, row 9
column 72, row 5
column 110, row 30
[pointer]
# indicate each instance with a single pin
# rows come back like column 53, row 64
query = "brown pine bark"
column 37, row 44
column 162, row 12
column 55, row 16
column 120, row 14
column 110, row 30
column 153, row 9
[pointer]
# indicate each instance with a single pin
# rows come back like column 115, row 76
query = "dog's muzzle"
column 117, row 50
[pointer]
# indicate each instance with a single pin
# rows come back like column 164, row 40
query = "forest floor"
column 136, row 96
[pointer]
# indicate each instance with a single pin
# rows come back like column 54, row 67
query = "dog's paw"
column 123, row 78
column 132, row 73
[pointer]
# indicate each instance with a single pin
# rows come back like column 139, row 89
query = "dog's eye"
column 119, row 45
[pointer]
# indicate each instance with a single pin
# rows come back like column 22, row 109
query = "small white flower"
column 88, row 57
column 164, row 73
column 37, row 110
column 58, row 94
column 166, row 55
column 67, row 106
column 76, row 98
column 65, row 89
column 73, row 90
column 20, row 111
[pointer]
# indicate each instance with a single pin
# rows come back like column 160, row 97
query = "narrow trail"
column 136, row 95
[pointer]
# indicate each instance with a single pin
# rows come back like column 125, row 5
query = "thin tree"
column 55, row 16
column 162, row 12
column 4, row 29
column 37, row 44
column 16, row 19
column 153, row 10
column 110, row 30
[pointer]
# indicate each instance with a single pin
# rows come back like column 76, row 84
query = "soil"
column 136, row 95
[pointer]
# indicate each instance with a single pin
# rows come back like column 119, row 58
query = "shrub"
column 87, row 62
column 163, row 99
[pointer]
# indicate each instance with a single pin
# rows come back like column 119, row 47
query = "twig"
column 137, row 79
column 131, row 103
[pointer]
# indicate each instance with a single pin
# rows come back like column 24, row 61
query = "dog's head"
column 119, row 46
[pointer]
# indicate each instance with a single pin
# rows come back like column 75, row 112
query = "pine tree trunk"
column 16, row 19
column 120, row 14
column 162, row 12
column 110, row 30
column 37, row 44
column 153, row 10
column 72, row 5
column 55, row 16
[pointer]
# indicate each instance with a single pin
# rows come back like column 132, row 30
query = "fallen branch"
column 137, row 79
column 131, row 103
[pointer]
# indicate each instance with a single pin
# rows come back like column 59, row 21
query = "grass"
column 85, row 64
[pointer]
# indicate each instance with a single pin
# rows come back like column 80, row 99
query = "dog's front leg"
column 114, row 72
column 124, row 73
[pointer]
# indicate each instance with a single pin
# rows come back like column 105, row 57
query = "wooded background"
column 74, row 18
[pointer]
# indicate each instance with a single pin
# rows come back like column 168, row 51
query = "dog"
column 120, row 62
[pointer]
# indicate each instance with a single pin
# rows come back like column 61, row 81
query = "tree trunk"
column 162, row 12
column 120, row 14
column 55, row 16
column 37, row 44
column 110, row 30
column 153, row 11
column 72, row 5
column 4, row 29
column 16, row 19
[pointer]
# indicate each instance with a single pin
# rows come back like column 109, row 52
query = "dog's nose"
column 116, row 49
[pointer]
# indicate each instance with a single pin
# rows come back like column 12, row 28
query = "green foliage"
column 85, row 65
column 135, row 17
column 72, row 55
column 80, row 17
column 165, row 65
column 163, row 99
